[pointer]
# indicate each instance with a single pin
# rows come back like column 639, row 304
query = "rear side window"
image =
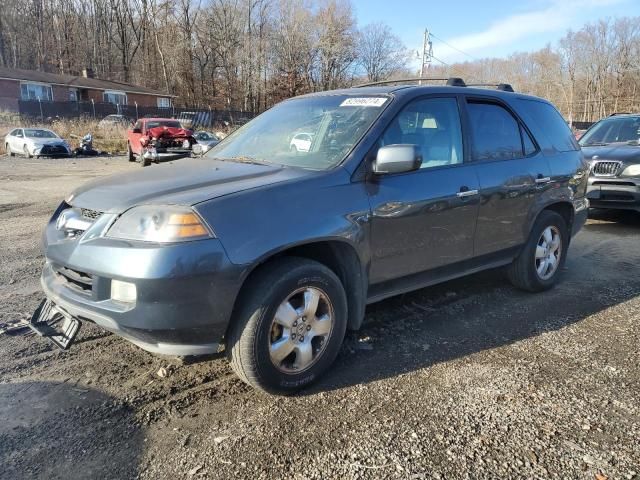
column 496, row 133
column 549, row 121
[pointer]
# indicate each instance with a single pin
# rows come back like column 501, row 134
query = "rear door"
column 16, row 140
column 134, row 136
column 512, row 171
column 426, row 218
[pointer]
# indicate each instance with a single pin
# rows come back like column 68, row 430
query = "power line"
column 455, row 48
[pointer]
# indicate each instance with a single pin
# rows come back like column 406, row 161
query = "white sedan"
column 301, row 142
column 35, row 142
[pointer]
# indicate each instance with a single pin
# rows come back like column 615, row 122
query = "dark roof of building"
column 75, row 81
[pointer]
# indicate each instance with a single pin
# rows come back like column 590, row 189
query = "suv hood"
column 627, row 154
column 185, row 182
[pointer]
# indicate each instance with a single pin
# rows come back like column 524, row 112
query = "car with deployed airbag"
column 271, row 253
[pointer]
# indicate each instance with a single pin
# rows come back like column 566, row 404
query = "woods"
column 249, row 54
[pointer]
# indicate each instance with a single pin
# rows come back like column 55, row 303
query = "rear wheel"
column 8, row 150
column 289, row 327
column 25, row 150
column 131, row 156
column 538, row 266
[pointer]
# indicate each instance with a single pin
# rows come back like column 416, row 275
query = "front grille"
column 53, row 150
column 79, row 281
column 90, row 214
column 606, row 169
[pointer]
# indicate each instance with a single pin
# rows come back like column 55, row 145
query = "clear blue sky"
column 487, row 28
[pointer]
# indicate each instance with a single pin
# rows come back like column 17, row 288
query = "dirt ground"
column 470, row 379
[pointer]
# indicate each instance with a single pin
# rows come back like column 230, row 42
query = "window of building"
column 73, row 95
column 116, row 97
column 36, row 91
column 164, row 102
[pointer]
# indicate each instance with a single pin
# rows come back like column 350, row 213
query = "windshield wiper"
column 243, row 159
column 595, row 144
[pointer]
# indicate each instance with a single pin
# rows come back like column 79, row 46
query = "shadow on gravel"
column 54, row 430
column 483, row 311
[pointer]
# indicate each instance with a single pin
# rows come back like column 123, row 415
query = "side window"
column 527, row 143
column 549, row 121
column 434, row 125
column 19, row 133
column 138, row 125
column 495, row 132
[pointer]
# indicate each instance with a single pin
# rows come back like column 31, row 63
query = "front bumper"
column 50, row 151
column 185, row 292
column 613, row 192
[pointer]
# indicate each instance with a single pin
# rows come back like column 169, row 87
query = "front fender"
column 256, row 224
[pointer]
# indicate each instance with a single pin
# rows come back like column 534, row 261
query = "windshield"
column 204, row 136
column 614, row 129
column 163, row 123
column 37, row 133
column 313, row 132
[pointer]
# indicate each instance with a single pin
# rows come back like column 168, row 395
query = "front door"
column 512, row 172
column 424, row 219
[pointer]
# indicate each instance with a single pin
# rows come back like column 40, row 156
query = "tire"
column 8, row 150
column 524, row 271
column 25, row 150
column 254, row 331
column 131, row 156
column 144, row 162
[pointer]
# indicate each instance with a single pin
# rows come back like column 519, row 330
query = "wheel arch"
column 340, row 257
column 564, row 209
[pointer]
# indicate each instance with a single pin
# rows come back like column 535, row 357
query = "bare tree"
column 381, row 53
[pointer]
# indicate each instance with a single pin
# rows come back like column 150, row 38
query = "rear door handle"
column 467, row 193
column 541, row 180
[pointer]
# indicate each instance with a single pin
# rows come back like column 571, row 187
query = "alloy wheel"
column 548, row 252
column 300, row 330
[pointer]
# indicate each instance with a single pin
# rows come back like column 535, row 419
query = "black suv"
column 275, row 251
column 613, row 149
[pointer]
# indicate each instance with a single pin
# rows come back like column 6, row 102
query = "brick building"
column 21, row 86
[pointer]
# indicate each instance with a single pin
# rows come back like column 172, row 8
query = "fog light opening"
column 123, row 291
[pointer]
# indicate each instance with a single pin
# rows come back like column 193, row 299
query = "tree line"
column 589, row 74
column 250, row 54
column 240, row 54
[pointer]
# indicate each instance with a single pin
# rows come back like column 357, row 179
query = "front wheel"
column 289, row 327
column 538, row 266
column 26, row 152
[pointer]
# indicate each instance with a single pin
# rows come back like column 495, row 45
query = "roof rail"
column 505, row 87
column 452, row 81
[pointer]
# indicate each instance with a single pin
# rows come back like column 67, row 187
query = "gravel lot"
column 470, row 379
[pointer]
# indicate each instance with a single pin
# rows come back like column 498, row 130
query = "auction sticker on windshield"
column 363, row 102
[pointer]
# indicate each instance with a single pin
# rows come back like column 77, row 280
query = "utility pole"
column 427, row 54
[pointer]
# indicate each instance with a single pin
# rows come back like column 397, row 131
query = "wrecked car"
column 152, row 140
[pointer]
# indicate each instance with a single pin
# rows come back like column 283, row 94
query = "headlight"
column 632, row 171
column 159, row 223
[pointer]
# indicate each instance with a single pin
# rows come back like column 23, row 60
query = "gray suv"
column 275, row 252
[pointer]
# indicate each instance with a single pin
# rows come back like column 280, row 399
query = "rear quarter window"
column 547, row 120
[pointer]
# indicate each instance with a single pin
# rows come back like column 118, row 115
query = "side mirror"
column 397, row 159
column 136, row 130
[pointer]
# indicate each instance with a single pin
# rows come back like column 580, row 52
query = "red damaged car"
column 156, row 139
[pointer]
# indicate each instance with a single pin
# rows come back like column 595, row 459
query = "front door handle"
column 542, row 180
column 466, row 193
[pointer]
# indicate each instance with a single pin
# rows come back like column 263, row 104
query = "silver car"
column 35, row 142
column 206, row 141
